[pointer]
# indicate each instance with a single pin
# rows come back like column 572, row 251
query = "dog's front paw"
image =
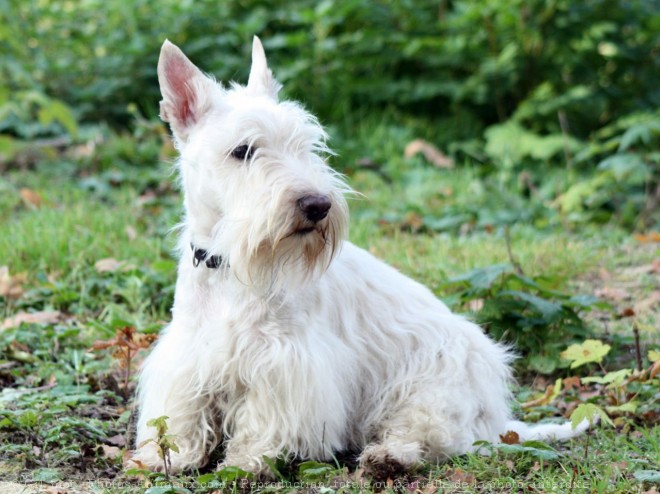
column 381, row 462
column 379, row 465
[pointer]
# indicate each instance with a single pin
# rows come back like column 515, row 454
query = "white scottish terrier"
column 287, row 339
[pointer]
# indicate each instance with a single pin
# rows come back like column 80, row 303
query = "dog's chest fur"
column 309, row 345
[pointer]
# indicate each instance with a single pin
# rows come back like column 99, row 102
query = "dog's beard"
column 292, row 252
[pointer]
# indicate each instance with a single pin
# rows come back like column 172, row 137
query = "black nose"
column 314, row 207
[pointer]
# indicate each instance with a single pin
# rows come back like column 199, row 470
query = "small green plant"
column 526, row 311
column 165, row 443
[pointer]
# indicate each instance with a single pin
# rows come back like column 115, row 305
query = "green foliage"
column 526, row 311
column 30, row 114
column 626, row 179
column 529, row 59
column 49, row 427
column 511, row 86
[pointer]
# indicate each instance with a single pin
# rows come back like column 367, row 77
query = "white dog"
column 285, row 338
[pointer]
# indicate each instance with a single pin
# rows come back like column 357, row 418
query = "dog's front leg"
column 254, row 434
column 169, row 387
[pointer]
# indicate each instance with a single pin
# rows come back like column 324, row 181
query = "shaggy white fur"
column 300, row 343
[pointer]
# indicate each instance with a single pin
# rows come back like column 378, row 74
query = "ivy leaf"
column 585, row 353
column 590, row 412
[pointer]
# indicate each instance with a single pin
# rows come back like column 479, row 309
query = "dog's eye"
column 243, row 152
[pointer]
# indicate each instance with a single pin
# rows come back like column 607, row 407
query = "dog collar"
column 201, row 255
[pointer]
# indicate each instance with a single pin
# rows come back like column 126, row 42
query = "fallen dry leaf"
column 655, row 369
column 511, row 437
column 31, row 198
column 111, row 452
column 543, row 400
column 11, row 286
column 430, row 152
column 117, row 440
column 110, row 265
column 128, row 461
column 646, row 238
column 41, row 317
column 430, row 488
column 126, row 337
column 627, row 312
column 572, row 382
column 460, row 476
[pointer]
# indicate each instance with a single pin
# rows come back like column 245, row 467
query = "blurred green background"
column 556, row 98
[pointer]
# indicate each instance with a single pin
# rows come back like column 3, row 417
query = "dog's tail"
column 546, row 432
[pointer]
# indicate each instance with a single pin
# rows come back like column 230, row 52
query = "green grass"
column 128, row 213
column 75, row 226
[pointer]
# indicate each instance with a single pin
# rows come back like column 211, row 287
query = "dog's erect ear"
column 261, row 79
column 187, row 92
